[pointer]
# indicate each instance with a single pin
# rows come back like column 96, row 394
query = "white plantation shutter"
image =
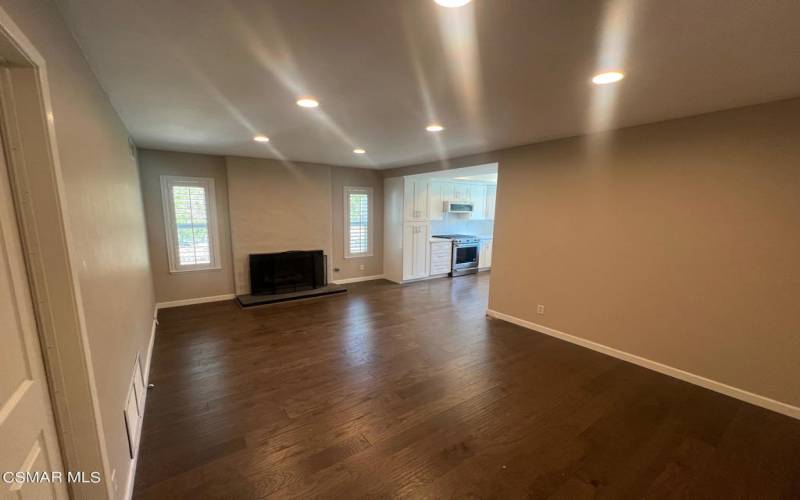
column 358, row 223
column 189, row 217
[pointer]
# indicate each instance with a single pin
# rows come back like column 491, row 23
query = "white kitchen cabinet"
column 416, row 239
column 491, row 201
column 416, row 199
column 485, row 254
column 410, row 204
column 461, row 192
column 477, row 195
column 437, row 196
column 441, row 256
column 447, row 191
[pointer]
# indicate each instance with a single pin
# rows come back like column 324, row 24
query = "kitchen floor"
column 410, row 391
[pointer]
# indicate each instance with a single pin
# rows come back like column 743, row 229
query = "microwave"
column 459, row 207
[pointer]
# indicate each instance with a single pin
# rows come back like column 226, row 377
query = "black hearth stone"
column 263, row 299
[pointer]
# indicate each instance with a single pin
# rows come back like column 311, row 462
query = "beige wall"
column 677, row 242
column 263, row 206
column 185, row 285
column 356, row 177
column 274, row 207
column 105, row 214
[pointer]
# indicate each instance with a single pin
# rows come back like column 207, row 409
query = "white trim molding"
column 149, row 355
column 358, row 279
column 31, row 148
column 146, row 374
column 734, row 392
column 198, row 300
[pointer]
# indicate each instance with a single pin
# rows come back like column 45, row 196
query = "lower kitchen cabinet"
column 485, row 254
column 416, row 238
column 441, row 256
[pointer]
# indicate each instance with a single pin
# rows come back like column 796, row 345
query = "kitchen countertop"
column 434, row 239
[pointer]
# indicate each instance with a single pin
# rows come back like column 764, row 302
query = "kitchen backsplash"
column 453, row 224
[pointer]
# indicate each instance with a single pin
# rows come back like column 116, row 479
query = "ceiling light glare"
column 606, row 78
column 307, row 102
column 451, row 4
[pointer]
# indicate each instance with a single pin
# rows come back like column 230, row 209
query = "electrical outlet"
column 361, row 267
column 540, row 310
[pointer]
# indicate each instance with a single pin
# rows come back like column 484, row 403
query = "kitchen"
column 439, row 224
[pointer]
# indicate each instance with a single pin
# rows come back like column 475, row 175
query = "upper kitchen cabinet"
column 482, row 197
column 491, row 201
column 461, row 192
column 477, row 195
column 439, row 193
column 415, row 206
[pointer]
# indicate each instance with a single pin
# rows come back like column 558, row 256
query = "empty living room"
column 399, row 249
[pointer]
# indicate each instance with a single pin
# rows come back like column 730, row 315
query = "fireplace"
column 286, row 272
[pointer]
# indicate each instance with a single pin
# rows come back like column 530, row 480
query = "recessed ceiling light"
column 307, row 102
column 261, row 138
column 609, row 77
column 360, row 151
column 434, row 128
column 452, row 3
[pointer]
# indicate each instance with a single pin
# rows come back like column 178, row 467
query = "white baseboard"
column 359, row 279
column 734, row 392
column 149, row 354
column 198, row 300
column 146, row 373
column 426, row 278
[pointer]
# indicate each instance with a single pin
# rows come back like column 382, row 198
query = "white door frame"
column 26, row 122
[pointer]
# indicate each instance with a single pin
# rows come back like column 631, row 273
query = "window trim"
column 370, row 221
column 171, row 228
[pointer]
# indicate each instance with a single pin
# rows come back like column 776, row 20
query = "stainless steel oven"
column 465, row 253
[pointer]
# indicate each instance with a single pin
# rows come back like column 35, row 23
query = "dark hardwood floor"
column 409, row 391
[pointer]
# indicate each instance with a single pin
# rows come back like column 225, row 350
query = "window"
column 190, row 221
column 358, row 222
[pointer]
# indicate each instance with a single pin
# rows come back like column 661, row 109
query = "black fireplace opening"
column 285, row 272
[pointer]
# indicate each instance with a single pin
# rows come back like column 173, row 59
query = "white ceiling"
column 207, row 75
column 479, row 173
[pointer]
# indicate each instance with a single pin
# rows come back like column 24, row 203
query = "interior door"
column 28, row 440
